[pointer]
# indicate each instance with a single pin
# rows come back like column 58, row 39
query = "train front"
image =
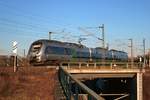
column 35, row 54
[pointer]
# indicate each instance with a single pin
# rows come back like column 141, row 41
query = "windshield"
column 36, row 47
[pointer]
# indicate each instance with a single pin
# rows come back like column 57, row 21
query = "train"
column 52, row 51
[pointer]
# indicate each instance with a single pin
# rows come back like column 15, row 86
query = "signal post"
column 15, row 55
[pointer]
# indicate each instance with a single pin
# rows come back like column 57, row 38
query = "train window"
column 36, row 47
column 85, row 54
column 48, row 50
column 60, row 50
column 68, row 51
column 55, row 50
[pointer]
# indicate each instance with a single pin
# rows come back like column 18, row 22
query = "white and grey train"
column 51, row 51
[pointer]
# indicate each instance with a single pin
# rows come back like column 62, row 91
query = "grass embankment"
column 27, row 84
column 146, row 86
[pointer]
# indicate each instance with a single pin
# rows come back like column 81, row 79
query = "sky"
column 25, row 21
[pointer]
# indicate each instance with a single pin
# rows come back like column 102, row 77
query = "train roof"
column 62, row 43
column 101, row 48
column 45, row 40
column 116, row 50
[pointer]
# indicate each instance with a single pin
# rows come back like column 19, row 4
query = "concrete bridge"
column 73, row 76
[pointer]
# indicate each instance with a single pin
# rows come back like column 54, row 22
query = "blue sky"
column 25, row 21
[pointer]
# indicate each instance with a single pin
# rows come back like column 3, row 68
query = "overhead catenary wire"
column 34, row 17
column 11, row 26
column 33, row 22
column 24, row 25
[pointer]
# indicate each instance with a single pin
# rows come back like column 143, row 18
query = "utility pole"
column 144, row 63
column 131, row 46
column 24, row 53
column 50, row 35
column 103, row 35
column 149, row 57
column 103, row 43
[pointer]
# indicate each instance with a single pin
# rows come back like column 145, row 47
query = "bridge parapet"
column 101, row 65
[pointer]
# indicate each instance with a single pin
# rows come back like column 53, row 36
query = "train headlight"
column 38, row 57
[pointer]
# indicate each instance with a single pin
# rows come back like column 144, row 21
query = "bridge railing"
column 102, row 65
column 66, row 81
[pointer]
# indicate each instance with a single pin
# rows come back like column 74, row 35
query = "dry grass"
column 32, row 83
column 146, row 86
column 27, row 84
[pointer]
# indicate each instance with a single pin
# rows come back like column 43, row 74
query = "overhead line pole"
column 50, row 35
column 149, row 57
column 131, row 46
column 24, row 53
column 103, row 35
column 144, row 65
column 103, row 43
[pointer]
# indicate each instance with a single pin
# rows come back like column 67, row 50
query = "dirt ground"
column 27, row 84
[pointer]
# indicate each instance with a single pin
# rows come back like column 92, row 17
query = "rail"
column 66, row 80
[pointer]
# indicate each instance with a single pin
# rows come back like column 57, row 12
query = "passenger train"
column 51, row 51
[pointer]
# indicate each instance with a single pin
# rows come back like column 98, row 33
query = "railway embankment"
column 28, row 83
column 39, row 83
